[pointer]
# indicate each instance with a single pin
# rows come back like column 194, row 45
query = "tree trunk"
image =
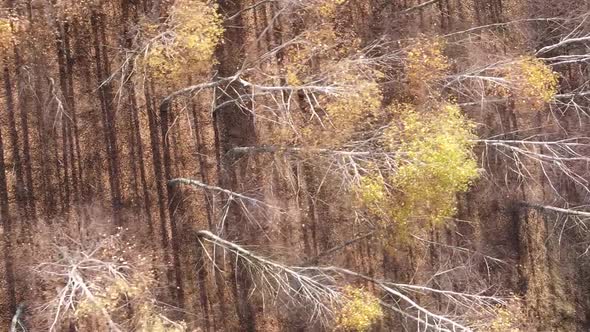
column 75, row 150
column 7, row 228
column 63, row 83
column 173, row 200
column 27, row 161
column 19, row 187
column 105, row 96
column 234, row 127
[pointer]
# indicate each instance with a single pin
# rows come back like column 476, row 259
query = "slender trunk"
column 43, row 137
column 7, row 233
column 106, row 105
column 157, row 165
column 27, row 161
column 111, row 120
column 63, row 83
column 65, row 166
column 19, row 188
column 132, row 154
column 135, row 125
column 103, row 106
column 140, row 152
column 204, row 175
column 4, row 207
column 235, row 127
column 77, row 171
column 72, row 119
column 23, row 98
column 203, row 168
column 159, row 179
column 58, row 169
column 202, row 286
column 173, row 201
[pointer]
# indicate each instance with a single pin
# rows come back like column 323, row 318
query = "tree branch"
column 316, row 259
column 558, row 209
column 563, row 43
column 231, row 194
column 310, row 281
column 198, row 87
column 419, row 6
column 16, row 318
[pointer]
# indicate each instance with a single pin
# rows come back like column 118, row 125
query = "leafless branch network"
column 320, row 288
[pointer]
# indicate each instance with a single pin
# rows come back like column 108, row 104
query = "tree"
column 292, row 165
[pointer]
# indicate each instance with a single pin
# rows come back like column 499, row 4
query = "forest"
column 295, row 165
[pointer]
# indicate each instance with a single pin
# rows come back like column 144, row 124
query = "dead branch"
column 229, row 193
column 560, row 155
column 341, row 246
column 78, row 271
column 16, row 321
column 278, row 279
column 562, row 43
column 572, row 212
column 419, row 6
column 317, row 287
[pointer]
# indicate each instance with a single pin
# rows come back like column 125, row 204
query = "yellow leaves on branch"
column 71, row 10
column 311, row 44
column 508, row 318
column 327, row 8
column 113, row 295
column 360, row 311
column 426, row 63
column 434, row 162
column 350, row 111
column 374, row 195
column 535, row 83
column 193, row 31
column 5, row 36
column 110, row 296
column 150, row 321
column 323, row 45
column 338, row 116
column 352, row 94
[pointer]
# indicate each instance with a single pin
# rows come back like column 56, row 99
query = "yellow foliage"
column 361, row 309
column 327, row 57
column 327, row 8
column 71, row 10
column 349, row 111
column 426, row 63
column 434, row 161
column 110, row 295
column 535, row 82
column 503, row 322
column 121, row 292
column 150, row 321
column 321, row 44
column 352, row 98
column 373, row 193
column 343, row 114
column 509, row 318
column 195, row 29
column 5, row 35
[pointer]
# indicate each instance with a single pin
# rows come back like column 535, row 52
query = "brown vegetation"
column 294, row 165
